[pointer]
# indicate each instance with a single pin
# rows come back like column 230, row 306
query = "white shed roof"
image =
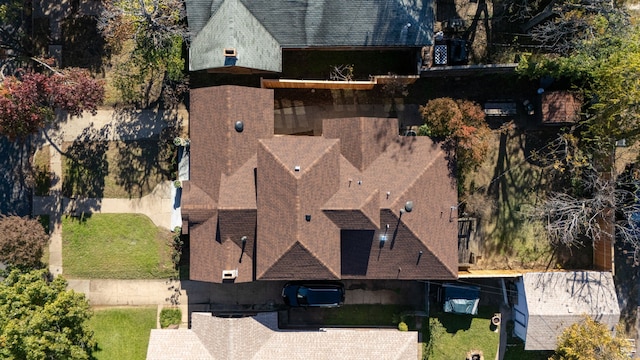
column 556, row 300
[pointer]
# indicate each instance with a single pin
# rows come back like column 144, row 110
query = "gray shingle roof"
column 258, row 28
column 232, row 26
column 259, row 338
column 556, row 300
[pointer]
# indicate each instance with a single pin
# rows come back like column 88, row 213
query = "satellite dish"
column 408, row 206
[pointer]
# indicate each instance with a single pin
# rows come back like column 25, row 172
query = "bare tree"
column 155, row 21
column 563, row 25
column 155, row 67
column 341, row 72
column 605, row 207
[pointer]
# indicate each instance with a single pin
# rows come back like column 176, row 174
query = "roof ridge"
column 419, row 175
column 319, row 260
column 326, row 150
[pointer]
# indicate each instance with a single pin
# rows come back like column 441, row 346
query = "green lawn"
column 365, row 315
column 115, row 246
column 516, row 351
column 41, row 172
column 465, row 333
column 123, row 333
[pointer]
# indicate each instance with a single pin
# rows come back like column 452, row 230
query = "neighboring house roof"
column 258, row 337
column 258, row 29
column 560, row 107
column 556, row 300
column 313, row 207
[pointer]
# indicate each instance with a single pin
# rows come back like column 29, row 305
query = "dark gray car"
column 316, row 294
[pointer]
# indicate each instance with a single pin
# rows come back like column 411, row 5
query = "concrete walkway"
column 104, row 125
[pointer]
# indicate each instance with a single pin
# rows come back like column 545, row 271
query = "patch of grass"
column 499, row 193
column 170, row 316
column 123, row 333
column 465, row 333
column 115, row 246
column 365, row 315
column 117, row 169
column 45, row 222
column 515, row 351
column 42, row 172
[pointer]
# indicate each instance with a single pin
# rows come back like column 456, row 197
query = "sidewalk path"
column 102, row 292
column 105, row 125
column 157, row 205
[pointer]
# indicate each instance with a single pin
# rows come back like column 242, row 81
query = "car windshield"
column 302, row 295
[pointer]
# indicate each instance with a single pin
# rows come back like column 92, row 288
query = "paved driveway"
column 15, row 195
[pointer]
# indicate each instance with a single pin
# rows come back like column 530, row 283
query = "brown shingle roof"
column 313, row 207
column 560, row 107
column 283, row 208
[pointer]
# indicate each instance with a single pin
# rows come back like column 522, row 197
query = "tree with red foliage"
column 29, row 99
column 22, row 242
column 462, row 124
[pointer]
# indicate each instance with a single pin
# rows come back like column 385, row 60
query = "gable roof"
column 313, row 207
column 258, row 337
column 232, row 26
column 258, row 30
column 556, row 300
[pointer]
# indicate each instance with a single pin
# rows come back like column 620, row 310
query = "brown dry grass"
column 501, row 193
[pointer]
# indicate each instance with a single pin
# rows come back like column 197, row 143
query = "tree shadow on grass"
column 87, row 164
column 143, row 163
column 83, row 46
column 514, row 187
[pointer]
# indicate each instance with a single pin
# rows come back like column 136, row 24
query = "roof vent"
column 408, row 206
column 230, row 52
column 297, row 168
column 239, row 126
column 229, row 274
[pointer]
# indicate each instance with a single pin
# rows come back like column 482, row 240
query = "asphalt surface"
column 15, row 194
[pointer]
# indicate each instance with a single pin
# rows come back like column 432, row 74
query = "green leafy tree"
column 461, row 123
column 13, row 38
column 152, row 34
column 607, row 71
column 22, row 241
column 40, row 319
column 605, row 67
column 591, row 340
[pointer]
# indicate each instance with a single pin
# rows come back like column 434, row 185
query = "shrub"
column 402, row 326
column 177, row 184
column 176, row 246
column 22, row 242
column 436, row 331
column 170, row 316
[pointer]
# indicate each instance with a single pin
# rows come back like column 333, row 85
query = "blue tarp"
column 461, row 299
